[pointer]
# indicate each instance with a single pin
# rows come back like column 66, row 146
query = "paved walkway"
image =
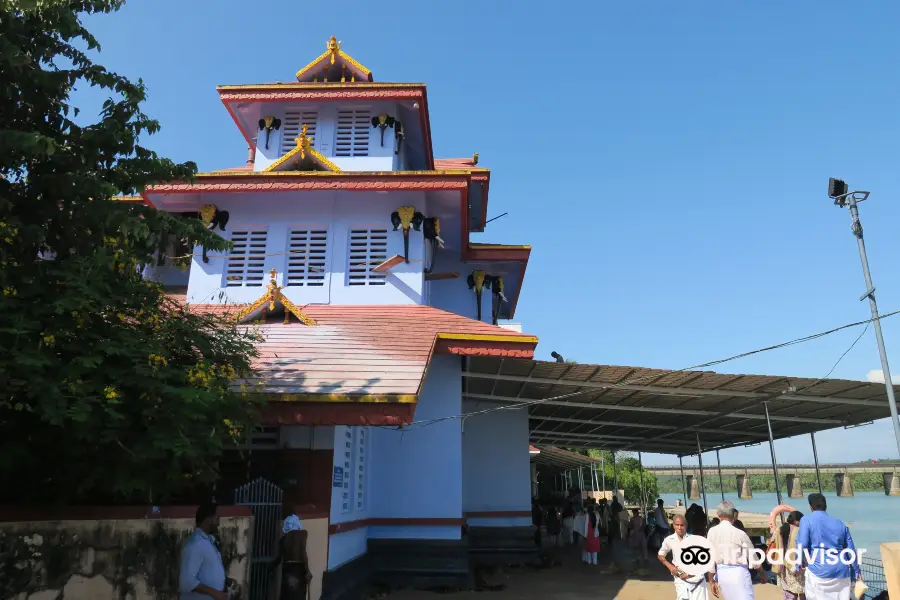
column 573, row 580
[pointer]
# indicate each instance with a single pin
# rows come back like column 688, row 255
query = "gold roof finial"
column 303, row 141
column 273, row 273
column 333, row 46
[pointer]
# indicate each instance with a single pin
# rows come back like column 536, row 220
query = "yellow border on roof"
column 362, row 85
column 480, row 337
column 342, row 398
column 340, row 54
column 359, row 174
column 314, row 154
column 478, row 246
column 271, row 296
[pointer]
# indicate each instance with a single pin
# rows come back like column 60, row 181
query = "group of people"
column 591, row 523
column 202, row 573
column 812, row 577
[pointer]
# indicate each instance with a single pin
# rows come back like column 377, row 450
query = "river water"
column 871, row 516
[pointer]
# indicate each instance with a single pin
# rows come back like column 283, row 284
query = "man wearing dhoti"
column 826, row 540
column 733, row 550
column 687, row 587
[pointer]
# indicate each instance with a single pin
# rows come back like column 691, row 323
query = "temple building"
column 352, row 257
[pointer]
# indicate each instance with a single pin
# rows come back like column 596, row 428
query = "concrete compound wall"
column 112, row 559
column 496, row 467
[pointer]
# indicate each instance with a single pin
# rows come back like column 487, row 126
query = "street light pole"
column 837, row 189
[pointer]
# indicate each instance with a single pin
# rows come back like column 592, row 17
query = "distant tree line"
column 627, row 468
column 862, row 482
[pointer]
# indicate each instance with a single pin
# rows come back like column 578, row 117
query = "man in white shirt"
column 733, row 550
column 687, row 587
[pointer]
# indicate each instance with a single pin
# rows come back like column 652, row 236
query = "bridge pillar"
column 842, row 485
column 693, row 487
column 891, row 483
column 795, row 489
column 743, row 486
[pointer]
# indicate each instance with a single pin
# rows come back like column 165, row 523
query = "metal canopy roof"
column 557, row 459
column 657, row 410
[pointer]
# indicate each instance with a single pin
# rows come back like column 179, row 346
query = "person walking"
column 662, row 523
column 294, row 561
column 733, row 549
column 637, row 540
column 784, row 539
column 826, row 538
column 553, row 525
column 687, row 587
column 591, row 534
column 202, row 574
column 579, row 529
column 615, row 510
column 537, row 520
column 568, row 524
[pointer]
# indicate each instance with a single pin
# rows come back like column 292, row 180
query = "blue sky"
column 667, row 161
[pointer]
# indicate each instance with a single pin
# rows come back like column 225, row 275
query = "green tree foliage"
column 628, row 470
column 108, row 390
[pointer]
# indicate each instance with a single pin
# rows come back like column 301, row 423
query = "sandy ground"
column 573, row 580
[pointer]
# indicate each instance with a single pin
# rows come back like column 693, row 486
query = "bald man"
column 687, row 587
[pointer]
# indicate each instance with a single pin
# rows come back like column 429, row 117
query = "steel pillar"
column 772, row 452
column 700, row 465
column 812, row 436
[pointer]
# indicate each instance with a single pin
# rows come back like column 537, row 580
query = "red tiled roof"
column 370, row 350
column 450, row 164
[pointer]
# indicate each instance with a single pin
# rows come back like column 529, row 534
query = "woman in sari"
column 785, row 538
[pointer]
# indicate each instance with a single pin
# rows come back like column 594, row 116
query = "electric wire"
column 765, row 399
column 518, row 405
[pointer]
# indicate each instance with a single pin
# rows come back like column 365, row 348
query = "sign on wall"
column 338, row 477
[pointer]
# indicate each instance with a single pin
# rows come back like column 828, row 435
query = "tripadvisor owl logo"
column 695, row 556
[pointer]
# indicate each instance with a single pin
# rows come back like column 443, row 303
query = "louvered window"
column 292, row 124
column 306, row 257
column 360, row 468
column 352, row 134
column 368, row 249
column 246, row 261
column 346, row 504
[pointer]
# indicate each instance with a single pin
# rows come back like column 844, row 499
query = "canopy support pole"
column 700, row 465
column 683, row 483
column 615, row 477
column 772, row 452
column 721, row 485
column 581, row 481
column 603, row 472
column 812, row 436
column 643, row 493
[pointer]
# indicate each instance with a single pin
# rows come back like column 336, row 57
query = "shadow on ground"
column 570, row 579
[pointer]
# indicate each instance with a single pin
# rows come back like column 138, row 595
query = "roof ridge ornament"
column 304, row 142
column 333, row 46
column 324, row 68
column 269, row 300
column 303, row 153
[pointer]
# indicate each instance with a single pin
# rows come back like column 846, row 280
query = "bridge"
column 843, row 485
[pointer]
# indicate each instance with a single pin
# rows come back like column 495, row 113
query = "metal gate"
column 265, row 501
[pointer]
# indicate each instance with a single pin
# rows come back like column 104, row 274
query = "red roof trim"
column 317, row 413
column 498, row 349
column 259, row 182
column 319, row 93
column 497, row 252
